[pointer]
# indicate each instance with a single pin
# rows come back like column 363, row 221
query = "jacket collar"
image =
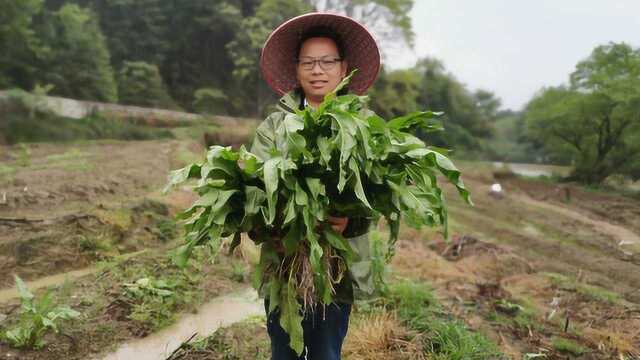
column 290, row 102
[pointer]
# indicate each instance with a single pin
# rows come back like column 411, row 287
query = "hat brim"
column 278, row 59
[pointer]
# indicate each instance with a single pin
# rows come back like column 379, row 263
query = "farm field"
column 544, row 270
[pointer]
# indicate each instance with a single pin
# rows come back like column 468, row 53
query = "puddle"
column 12, row 293
column 220, row 312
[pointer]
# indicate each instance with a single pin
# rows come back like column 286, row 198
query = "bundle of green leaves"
column 337, row 160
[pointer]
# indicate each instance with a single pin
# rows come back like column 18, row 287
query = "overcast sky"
column 514, row 48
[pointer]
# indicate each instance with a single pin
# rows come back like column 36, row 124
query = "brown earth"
column 531, row 267
column 519, row 269
column 77, row 203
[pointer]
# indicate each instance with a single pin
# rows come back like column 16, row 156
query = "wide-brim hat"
column 278, row 60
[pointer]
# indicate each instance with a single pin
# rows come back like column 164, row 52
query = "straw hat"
column 278, row 61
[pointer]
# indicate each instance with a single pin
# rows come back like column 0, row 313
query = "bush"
column 140, row 84
column 210, row 101
column 17, row 125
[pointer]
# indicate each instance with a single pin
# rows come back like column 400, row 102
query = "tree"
column 209, row 101
column 198, row 31
column 388, row 19
column 395, row 93
column 596, row 119
column 246, row 46
column 78, row 60
column 19, row 43
column 140, row 84
column 468, row 116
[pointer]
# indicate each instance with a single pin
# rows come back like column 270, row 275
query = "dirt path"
column 220, row 312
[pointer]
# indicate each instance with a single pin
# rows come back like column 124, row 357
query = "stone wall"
column 77, row 109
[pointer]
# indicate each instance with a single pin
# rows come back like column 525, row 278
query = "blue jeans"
column 324, row 332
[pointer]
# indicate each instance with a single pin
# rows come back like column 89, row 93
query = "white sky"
column 516, row 47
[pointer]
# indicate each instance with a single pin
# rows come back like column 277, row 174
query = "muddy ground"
column 541, row 264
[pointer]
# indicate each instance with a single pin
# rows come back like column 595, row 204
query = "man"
column 304, row 59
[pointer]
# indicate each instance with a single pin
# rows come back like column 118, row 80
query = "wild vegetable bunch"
column 338, row 160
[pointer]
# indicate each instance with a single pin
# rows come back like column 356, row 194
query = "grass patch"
column 92, row 243
column 590, row 292
column 121, row 217
column 567, row 346
column 19, row 127
column 438, row 335
column 155, row 291
column 521, row 315
column 194, row 132
column 244, row 340
column 407, row 323
column 7, row 171
column 444, row 337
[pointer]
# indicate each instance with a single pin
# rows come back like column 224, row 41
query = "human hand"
column 338, row 224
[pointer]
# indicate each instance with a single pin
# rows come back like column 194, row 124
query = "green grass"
column 7, row 171
column 439, row 335
column 19, row 127
column 590, row 292
column 517, row 313
column 194, row 132
column 568, row 346
column 446, row 337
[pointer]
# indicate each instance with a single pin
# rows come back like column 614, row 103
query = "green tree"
column 19, row 43
column 78, row 62
column 245, row 51
column 596, row 119
column 388, row 19
column 468, row 116
column 396, row 93
column 210, row 101
column 198, row 32
column 140, row 84
column 135, row 30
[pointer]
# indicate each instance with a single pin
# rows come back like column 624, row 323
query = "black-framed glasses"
column 326, row 62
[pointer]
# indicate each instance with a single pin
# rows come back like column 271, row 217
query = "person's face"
column 317, row 71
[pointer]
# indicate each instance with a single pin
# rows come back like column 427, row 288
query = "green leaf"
column 346, row 138
column 23, row 291
column 339, row 242
column 275, row 284
column 181, row 175
column 290, row 317
column 182, row 255
column 316, row 187
column 359, row 190
column 290, row 211
column 222, row 152
column 255, row 198
column 301, row 196
column 326, row 147
column 271, row 179
column 292, row 238
column 416, row 120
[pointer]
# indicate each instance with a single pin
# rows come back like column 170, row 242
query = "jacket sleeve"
column 360, row 269
column 264, row 139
